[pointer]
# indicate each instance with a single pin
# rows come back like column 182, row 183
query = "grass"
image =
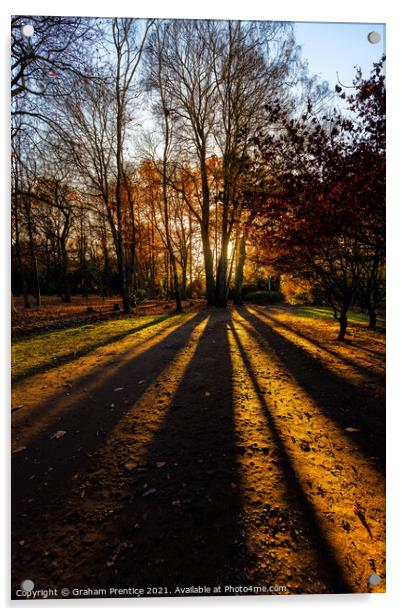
column 41, row 351
column 313, row 312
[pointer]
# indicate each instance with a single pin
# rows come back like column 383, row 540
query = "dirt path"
column 233, row 447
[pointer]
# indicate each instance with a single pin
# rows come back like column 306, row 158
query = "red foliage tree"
column 324, row 212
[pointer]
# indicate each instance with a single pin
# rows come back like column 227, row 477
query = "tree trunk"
column 372, row 292
column 176, row 285
column 221, row 274
column 173, row 263
column 208, row 265
column 190, row 294
column 119, row 164
column 48, row 265
column 372, row 318
column 83, row 265
column 184, row 278
column 237, row 295
column 343, row 323
column 152, row 258
column 133, row 286
column 13, row 308
column 65, row 280
column 18, row 258
column 121, row 256
column 35, row 275
column 32, row 251
column 206, row 247
column 105, row 277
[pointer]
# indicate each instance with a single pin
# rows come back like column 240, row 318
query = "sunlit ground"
column 238, row 446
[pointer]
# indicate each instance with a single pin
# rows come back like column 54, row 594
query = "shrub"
column 302, row 298
column 247, row 289
column 264, row 297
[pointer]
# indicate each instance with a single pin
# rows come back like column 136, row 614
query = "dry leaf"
column 149, row 492
column 17, row 408
column 58, row 434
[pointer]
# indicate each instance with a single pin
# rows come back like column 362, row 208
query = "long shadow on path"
column 186, row 523
column 87, row 383
column 338, row 399
column 42, row 475
column 369, row 373
column 81, row 352
column 328, row 566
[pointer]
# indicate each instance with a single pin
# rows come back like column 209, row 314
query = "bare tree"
column 128, row 49
column 52, row 54
column 158, row 81
column 252, row 62
column 186, row 62
column 218, row 76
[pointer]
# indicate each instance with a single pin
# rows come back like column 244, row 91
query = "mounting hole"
column 374, row 37
column 27, row 585
column 27, row 30
column 374, row 579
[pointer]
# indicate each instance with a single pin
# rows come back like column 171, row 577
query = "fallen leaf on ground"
column 361, row 514
column 129, row 466
column 148, row 492
column 17, row 408
column 58, row 434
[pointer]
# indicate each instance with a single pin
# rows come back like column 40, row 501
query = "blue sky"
column 339, row 47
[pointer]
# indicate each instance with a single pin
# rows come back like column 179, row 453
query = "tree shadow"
column 366, row 349
column 364, row 370
column 340, row 400
column 42, row 475
column 87, row 384
column 327, row 563
column 184, row 515
column 59, row 361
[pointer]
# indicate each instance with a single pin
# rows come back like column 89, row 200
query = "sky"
column 332, row 48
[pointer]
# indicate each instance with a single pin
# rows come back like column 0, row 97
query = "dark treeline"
column 167, row 158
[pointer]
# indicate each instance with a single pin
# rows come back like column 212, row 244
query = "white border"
column 384, row 11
